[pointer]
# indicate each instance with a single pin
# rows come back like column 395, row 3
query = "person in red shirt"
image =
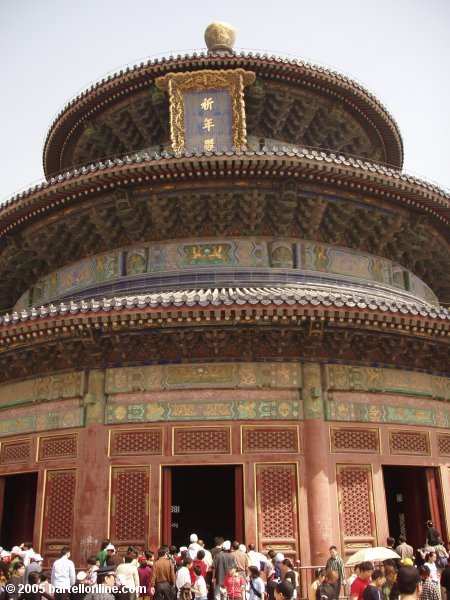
column 199, row 561
column 235, row 584
column 362, row 581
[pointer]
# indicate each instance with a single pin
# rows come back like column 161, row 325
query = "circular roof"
column 291, row 101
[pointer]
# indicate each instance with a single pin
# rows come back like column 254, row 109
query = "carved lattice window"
column 136, row 442
column 269, row 440
column 355, row 501
column 202, row 441
column 58, row 447
column 444, row 444
column 15, row 451
column 409, row 442
column 354, row 440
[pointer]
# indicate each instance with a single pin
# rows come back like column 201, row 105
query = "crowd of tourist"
column 228, row 571
column 430, row 567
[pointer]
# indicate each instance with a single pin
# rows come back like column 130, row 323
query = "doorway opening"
column 206, row 500
column 17, row 508
column 413, row 495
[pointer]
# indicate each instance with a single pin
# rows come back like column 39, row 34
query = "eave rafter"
column 205, row 307
column 333, row 170
column 231, row 333
column 418, row 243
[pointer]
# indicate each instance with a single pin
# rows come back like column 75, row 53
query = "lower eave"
column 134, row 314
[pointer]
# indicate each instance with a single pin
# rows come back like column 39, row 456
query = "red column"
column 318, row 489
column 316, row 450
column 92, row 496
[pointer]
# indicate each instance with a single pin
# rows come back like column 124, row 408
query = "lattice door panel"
column 277, row 507
column 356, row 507
column 57, row 525
column 130, row 506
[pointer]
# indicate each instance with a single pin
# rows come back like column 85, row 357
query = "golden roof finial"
column 220, row 37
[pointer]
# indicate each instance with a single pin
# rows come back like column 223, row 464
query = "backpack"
column 441, row 557
column 441, row 562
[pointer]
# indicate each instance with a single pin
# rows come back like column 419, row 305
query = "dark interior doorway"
column 206, row 500
column 18, row 508
column 412, row 497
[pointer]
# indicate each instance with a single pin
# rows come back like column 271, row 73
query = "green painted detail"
column 204, row 255
column 326, row 259
column 385, row 413
column 76, row 277
column 312, row 393
column 42, row 389
column 410, row 415
column 31, row 420
column 95, row 399
column 226, row 375
column 281, row 255
column 242, row 252
column 136, row 261
column 344, row 377
column 268, row 410
column 197, row 376
column 159, row 259
column 255, row 254
column 241, row 410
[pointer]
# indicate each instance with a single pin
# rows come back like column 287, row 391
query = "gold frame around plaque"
column 196, row 81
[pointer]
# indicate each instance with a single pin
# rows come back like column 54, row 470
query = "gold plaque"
column 207, row 110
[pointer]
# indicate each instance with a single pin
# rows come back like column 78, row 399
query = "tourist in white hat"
column 194, row 547
column 113, row 557
column 223, row 561
column 28, row 552
column 35, row 566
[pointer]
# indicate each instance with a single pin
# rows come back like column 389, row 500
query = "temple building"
column 223, row 312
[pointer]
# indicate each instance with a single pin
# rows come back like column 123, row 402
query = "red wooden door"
column 167, row 506
column 433, row 485
column 239, row 502
column 57, row 524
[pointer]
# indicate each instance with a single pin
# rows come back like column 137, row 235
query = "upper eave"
column 125, row 83
column 328, row 170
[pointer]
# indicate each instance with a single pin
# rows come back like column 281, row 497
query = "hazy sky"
column 52, row 49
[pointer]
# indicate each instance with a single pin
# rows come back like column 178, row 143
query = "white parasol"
column 372, row 554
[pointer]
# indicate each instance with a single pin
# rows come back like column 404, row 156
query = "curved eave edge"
column 331, row 169
column 214, row 306
column 132, row 76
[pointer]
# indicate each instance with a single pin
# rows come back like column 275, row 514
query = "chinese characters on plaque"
column 207, row 110
column 207, row 118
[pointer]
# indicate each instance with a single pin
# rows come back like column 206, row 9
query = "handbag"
column 257, row 594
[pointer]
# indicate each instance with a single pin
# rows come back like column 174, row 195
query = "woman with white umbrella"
column 377, row 554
